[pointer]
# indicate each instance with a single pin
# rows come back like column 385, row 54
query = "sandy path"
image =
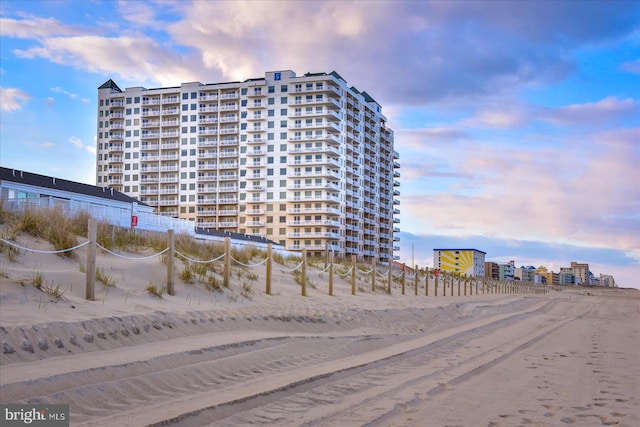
column 559, row 359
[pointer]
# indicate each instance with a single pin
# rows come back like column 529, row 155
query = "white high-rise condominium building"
column 307, row 162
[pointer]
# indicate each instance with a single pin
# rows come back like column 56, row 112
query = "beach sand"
column 232, row 358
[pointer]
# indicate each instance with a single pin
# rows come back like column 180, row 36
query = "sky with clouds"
column 517, row 122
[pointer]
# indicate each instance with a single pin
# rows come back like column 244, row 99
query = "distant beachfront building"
column 465, row 261
column 307, row 161
column 567, row 277
column 491, row 271
column 506, row 271
column 525, row 274
column 607, row 280
column 581, row 272
column 551, row 278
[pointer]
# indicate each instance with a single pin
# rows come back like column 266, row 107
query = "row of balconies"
column 205, row 97
column 320, row 210
column 303, row 223
column 217, row 189
column 158, row 123
column 317, row 89
column 215, row 212
column 215, row 166
column 316, row 161
column 324, row 100
column 217, row 201
column 158, row 101
column 158, row 112
column 222, row 154
column 325, row 112
column 313, row 186
column 159, row 180
column 164, row 157
column 172, row 145
column 325, row 136
column 322, row 173
column 322, row 234
column 156, row 135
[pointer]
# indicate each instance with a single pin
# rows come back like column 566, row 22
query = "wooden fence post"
column 390, row 276
column 415, row 281
column 435, row 286
column 426, row 284
column 373, row 276
column 269, row 265
column 303, row 271
column 170, row 283
column 226, row 274
column 353, row 274
column 465, row 285
column 90, row 293
column 404, row 276
column 458, row 284
column 331, row 275
column 444, row 285
column 473, row 278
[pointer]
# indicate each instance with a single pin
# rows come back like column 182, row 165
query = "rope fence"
column 128, row 257
column 39, row 251
column 440, row 280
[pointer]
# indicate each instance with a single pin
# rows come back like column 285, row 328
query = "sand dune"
column 570, row 357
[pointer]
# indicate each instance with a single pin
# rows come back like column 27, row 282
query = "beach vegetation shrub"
column 213, row 283
column 37, row 280
column 277, row 258
column 247, row 290
column 154, row 290
column 187, row 275
column 3, row 271
column 105, row 278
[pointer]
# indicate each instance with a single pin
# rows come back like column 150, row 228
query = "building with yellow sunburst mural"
column 464, row 261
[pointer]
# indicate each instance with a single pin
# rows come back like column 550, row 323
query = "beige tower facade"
column 308, row 162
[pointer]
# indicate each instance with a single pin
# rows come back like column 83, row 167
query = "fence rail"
column 441, row 280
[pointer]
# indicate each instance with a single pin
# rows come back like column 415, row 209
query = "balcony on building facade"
column 207, row 120
column 227, row 212
column 228, row 224
column 228, row 177
column 207, row 224
column 168, row 201
column 207, row 177
column 314, row 235
column 311, row 247
column 315, row 210
column 204, row 96
column 208, row 109
column 228, row 130
column 320, row 160
column 208, row 131
column 229, row 107
column 309, row 223
column 150, row 112
column 208, row 154
column 207, row 212
column 228, row 141
column 151, row 101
